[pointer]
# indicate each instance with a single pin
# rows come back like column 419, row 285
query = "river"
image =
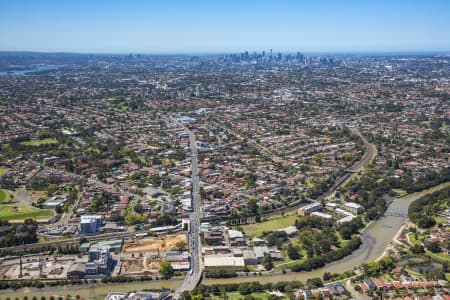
column 375, row 239
column 32, row 70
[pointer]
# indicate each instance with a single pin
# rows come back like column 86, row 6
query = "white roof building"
column 223, row 261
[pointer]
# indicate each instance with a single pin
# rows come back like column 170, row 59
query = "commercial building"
column 212, row 261
column 76, row 270
column 90, row 224
column 236, row 238
column 99, row 261
column 354, row 208
column 213, row 238
column 308, row 209
column 322, row 215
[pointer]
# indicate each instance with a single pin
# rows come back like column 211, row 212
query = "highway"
column 194, row 277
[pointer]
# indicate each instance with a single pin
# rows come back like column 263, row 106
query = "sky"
column 208, row 26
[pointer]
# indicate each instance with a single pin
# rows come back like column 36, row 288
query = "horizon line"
column 189, row 53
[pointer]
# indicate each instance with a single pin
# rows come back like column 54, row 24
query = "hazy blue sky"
column 155, row 26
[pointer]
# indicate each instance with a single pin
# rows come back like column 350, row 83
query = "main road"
column 195, row 275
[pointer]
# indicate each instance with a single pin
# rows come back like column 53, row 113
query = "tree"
column 252, row 206
column 292, row 252
column 166, row 269
column 244, row 288
column 434, row 247
column 267, row 262
column 327, row 276
column 138, row 208
column 417, row 249
column 314, row 282
column 186, row 295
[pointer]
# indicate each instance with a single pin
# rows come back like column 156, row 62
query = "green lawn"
column 256, row 230
column 238, row 296
column 441, row 257
column 413, row 240
column 2, row 171
column 5, row 196
column 20, row 212
column 400, row 192
column 287, row 265
column 39, row 142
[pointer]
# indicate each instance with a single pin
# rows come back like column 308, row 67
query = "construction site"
column 150, row 246
column 143, row 255
column 148, row 266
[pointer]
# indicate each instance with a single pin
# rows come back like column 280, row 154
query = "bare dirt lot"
column 155, row 244
column 140, row 266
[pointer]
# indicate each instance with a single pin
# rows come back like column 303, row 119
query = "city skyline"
column 223, row 27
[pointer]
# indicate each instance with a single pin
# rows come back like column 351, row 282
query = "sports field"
column 11, row 212
column 5, row 196
column 39, row 142
column 255, row 230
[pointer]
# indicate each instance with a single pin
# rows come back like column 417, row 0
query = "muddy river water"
column 375, row 239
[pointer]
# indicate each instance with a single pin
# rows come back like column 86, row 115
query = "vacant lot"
column 39, row 142
column 255, row 230
column 155, row 245
column 11, row 212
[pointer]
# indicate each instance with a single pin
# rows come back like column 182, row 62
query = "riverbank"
column 376, row 237
column 85, row 291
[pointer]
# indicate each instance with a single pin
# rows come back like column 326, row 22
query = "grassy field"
column 11, row 212
column 5, row 196
column 39, row 142
column 400, row 192
column 255, row 230
column 2, row 171
column 278, row 266
column 238, row 296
